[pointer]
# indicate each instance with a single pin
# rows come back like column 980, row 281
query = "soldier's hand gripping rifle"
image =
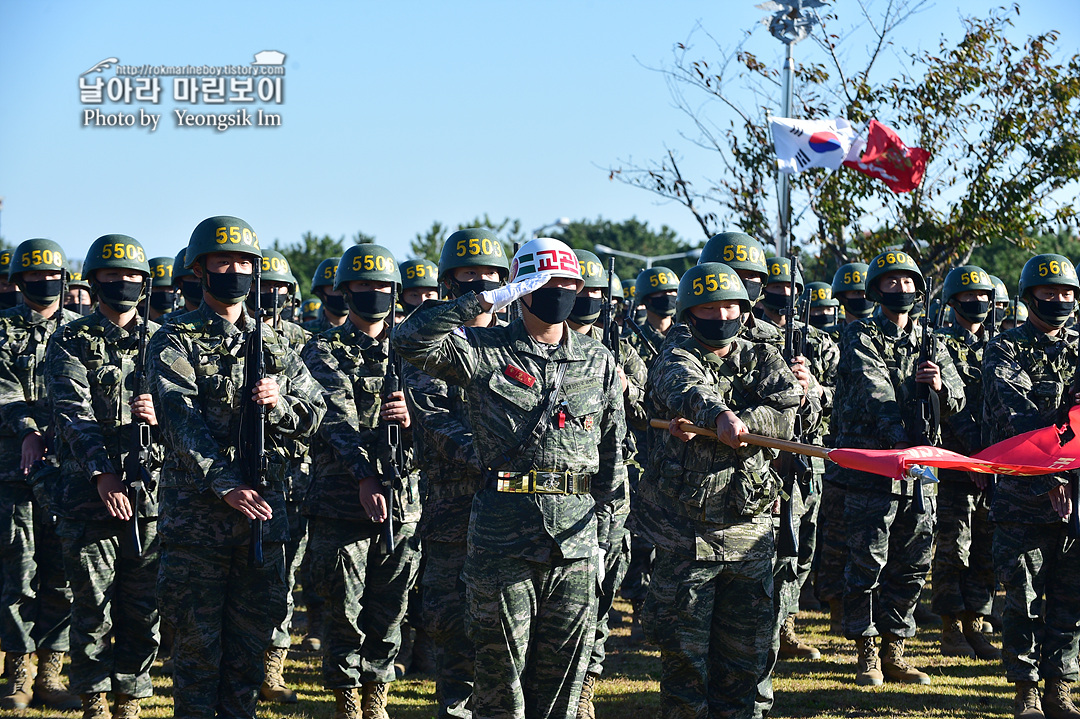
column 390, row 450
column 927, row 403
column 793, row 466
column 1065, row 435
column 137, row 478
column 253, row 455
column 610, row 326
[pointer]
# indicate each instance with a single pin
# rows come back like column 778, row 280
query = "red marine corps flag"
column 888, row 159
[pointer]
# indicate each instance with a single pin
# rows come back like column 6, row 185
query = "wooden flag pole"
column 754, row 439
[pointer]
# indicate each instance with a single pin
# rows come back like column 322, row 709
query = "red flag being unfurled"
column 888, row 159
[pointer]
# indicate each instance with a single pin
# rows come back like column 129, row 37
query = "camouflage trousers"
column 366, row 594
column 963, row 552
column 223, row 611
column 1041, row 619
column 615, row 564
column 35, row 603
column 714, row 623
column 532, row 626
column 114, row 613
column 888, row 559
column 832, row 548
column 294, row 557
column 444, row 621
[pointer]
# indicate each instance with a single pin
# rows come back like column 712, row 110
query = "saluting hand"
column 111, row 490
column 249, row 503
column 394, row 409
column 265, row 392
column 142, row 408
column 371, row 497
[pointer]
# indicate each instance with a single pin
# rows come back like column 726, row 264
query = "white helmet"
column 546, row 254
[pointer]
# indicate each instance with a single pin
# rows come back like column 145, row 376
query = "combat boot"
column 836, row 617
column 1026, row 704
column 127, row 707
column 585, row 708
column 373, row 701
column 953, row 641
column 975, row 633
column 346, row 704
column 20, row 688
column 895, row 667
column 49, row 687
column 1057, row 700
column 95, row 706
column 868, row 673
column 791, row 646
column 273, row 688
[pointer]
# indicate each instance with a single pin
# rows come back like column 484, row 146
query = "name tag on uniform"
column 520, row 375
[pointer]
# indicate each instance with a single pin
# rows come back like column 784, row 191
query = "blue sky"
column 394, row 115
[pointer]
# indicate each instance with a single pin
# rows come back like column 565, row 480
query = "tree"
column 304, row 256
column 629, row 236
column 1000, row 120
column 1006, row 259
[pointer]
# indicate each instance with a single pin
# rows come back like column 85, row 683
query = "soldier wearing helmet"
column 849, row 288
column 9, row 293
column 187, row 289
column 79, row 299
column 655, row 290
column 1016, row 314
column 823, row 306
column 309, row 309
column 419, row 283
column 208, row 507
column 889, row 539
column 1028, row 376
column 546, row 409
column 351, row 563
column 90, row 367
column 999, row 302
column 162, row 294
column 332, row 311
column 35, row 596
column 719, row 492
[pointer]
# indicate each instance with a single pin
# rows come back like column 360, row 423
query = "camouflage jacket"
column 506, row 375
column 654, row 336
column 299, row 474
column 351, row 368
column 89, row 374
column 24, row 406
column 197, row 379
column 824, row 358
column 169, row 317
column 1026, row 374
column 701, row 498
column 963, row 431
column 875, row 393
column 319, row 325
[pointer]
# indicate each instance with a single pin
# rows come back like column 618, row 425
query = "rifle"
column 929, row 405
column 253, row 455
column 391, row 452
column 136, row 477
column 793, row 467
column 611, row 327
column 636, row 329
column 1065, row 435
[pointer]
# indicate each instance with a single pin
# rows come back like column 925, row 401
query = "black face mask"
column 586, row 310
column 121, row 295
column 230, row 288
column 335, row 305
column 1052, row 312
column 973, row 310
column 267, row 299
column 9, row 299
column 409, row 307
column 79, row 308
column 995, row 315
column 857, row 306
column 192, row 292
column 42, row 292
column 162, row 301
column 477, row 286
column 371, row 306
column 753, row 290
column 898, row 301
column 775, row 301
column 663, row 305
column 552, row 304
column 713, row 333
column 820, row 321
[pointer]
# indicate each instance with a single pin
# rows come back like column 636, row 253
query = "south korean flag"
column 802, row 144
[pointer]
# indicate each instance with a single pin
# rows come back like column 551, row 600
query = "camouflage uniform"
column 114, row 615
column 36, row 602
column 318, row 325
column 708, row 508
column 530, row 574
column 222, row 608
column 366, row 590
column 888, row 541
column 1025, row 375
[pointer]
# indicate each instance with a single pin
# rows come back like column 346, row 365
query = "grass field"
column 960, row 688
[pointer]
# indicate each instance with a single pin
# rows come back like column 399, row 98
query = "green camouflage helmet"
column 276, row 268
column 366, row 262
column 115, row 252
column 629, row 288
column 1001, row 291
column 1047, row 270
column 820, row 295
column 222, row 233
column 616, row 288
column 737, row 250
column 655, row 279
column 36, row 254
column 5, row 263
column 892, row 261
column 325, row 273
column 473, row 247
column 310, row 307
column 780, row 273
column 850, row 278
column 1016, row 312
column 161, row 271
column 710, row 282
column 417, row 274
column 592, row 270
column 964, row 278
column 180, row 270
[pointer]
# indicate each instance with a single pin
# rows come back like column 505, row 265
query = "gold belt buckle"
column 510, row 482
column 548, row 481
